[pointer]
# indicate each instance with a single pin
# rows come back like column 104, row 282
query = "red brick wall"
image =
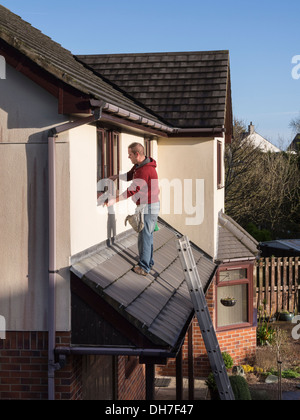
column 24, row 368
column 134, row 387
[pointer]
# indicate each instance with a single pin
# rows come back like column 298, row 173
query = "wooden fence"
column 278, row 286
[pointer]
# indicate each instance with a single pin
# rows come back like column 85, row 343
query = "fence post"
column 261, row 284
column 267, row 282
column 291, row 291
column 272, row 291
column 297, row 262
column 283, row 295
column 279, row 286
column 285, row 287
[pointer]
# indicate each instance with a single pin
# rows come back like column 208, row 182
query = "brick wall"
column 133, row 387
column 24, row 371
column 24, row 368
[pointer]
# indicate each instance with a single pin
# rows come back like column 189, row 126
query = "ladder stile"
column 204, row 319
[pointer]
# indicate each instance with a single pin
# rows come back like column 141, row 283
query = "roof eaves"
column 61, row 64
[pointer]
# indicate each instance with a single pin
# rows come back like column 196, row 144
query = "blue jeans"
column 145, row 239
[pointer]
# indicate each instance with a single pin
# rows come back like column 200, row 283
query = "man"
column 144, row 191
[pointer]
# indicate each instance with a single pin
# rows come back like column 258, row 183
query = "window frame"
column 148, row 146
column 109, row 137
column 248, row 281
column 220, row 165
column 108, row 155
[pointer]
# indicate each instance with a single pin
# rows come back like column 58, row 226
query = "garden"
column 274, row 374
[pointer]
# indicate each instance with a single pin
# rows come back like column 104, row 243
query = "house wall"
column 192, row 212
column 24, row 372
column 80, row 224
column 24, row 368
column 26, row 114
column 89, row 221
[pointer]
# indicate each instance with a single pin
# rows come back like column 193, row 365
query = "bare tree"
column 262, row 188
column 295, row 124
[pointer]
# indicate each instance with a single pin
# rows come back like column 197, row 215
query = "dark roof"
column 158, row 305
column 186, row 89
column 60, row 62
column 281, row 248
column 295, row 145
column 159, row 90
column 234, row 243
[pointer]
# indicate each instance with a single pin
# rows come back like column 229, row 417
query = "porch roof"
column 234, row 243
column 157, row 306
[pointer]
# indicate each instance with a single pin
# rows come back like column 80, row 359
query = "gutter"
column 172, row 131
column 193, row 132
column 131, row 116
column 52, row 135
column 115, row 351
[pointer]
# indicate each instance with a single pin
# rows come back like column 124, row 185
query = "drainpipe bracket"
column 97, row 114
column 62, row 361
column 52, row 132
column 53, row 367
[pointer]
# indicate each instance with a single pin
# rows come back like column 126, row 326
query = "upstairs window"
column 108, row 159
column 108, row 162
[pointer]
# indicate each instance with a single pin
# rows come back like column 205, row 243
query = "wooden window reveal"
column 220, row 165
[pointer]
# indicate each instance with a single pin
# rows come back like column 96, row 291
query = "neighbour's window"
column 234, row 297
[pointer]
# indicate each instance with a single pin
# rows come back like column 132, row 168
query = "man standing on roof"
column 144, row 191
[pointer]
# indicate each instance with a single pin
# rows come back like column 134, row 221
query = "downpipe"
column 52, row 136
column 52, row 267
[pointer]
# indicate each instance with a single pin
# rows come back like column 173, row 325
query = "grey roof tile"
column 126, row 289
column 234, row 242
column 158, row 304
column 202, row 74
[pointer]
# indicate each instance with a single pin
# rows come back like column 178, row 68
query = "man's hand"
column 113, row 177
column 110, row 202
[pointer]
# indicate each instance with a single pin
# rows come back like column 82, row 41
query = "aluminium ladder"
column 204, row 319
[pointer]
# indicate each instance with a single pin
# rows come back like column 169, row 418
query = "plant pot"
column 286, row 317
column 229, row 302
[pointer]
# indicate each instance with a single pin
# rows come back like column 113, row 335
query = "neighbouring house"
column 295, row 145
column 259, row 141
column 79, row 323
